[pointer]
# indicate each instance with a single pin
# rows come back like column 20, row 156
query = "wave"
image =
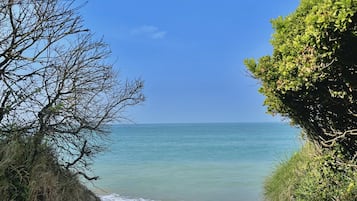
column 116, row 197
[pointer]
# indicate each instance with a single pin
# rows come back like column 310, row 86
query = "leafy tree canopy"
column 311, row 77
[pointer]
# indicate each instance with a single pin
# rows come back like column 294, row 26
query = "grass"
column 312, row 175
column 42, row 179
column 281, row 185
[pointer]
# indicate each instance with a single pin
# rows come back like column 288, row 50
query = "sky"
column 190, row 54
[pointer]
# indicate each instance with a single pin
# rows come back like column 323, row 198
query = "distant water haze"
column 192, row 162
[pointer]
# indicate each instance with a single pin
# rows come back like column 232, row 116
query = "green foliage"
column 313, row 176
column 311, row 77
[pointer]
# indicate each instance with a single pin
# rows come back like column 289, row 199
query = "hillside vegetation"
column 310, row 175
column 25, row 179
column 311, row 79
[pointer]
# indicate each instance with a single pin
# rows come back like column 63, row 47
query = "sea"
column 191, row 162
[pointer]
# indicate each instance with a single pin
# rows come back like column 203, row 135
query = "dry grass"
column 42, row 179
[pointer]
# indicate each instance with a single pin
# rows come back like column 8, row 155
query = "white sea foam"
column 116, row 197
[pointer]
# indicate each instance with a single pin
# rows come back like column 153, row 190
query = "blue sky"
column 190, row 54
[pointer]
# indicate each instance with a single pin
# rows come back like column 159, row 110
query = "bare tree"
column 56, row 87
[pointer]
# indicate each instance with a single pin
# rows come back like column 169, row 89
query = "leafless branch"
column 55, row 83
column 337, row 136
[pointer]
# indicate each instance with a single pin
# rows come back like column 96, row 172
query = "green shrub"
column 311, row 76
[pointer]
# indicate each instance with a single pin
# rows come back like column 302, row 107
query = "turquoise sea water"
column 192, row 162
